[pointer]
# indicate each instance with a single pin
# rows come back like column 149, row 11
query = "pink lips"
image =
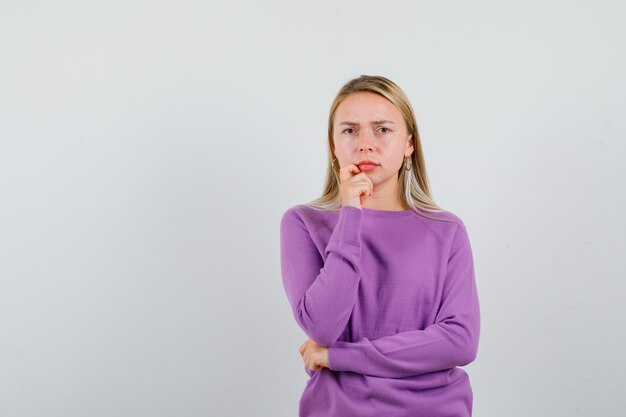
column 367, row 167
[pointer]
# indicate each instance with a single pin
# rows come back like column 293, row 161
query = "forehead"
column 365, row 107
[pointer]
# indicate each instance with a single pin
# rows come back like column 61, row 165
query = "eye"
column 345, row 130
column 385, row 128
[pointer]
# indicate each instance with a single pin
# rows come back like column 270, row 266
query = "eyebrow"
column 375, row 122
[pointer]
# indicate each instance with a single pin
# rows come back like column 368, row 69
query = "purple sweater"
column 393, row 296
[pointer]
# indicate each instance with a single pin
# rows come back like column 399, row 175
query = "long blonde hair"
column 413, row 184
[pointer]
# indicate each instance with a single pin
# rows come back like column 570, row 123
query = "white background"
column 149, row 148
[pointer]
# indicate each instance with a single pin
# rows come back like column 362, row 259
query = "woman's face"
column 368, row 126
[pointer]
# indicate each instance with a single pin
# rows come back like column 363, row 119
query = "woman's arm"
column 321, row 294
column 451, row 341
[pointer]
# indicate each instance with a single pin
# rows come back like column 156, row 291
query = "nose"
column 365, row 142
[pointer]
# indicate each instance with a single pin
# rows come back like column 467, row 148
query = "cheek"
column 341, row 150
column 395, row 159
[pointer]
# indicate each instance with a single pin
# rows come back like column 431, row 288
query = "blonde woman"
column 378, row 276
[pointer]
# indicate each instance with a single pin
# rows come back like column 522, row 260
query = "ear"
column 409, row 145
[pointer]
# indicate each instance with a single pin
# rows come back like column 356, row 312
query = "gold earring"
column 407, row 163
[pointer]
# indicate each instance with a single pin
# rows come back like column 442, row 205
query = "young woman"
column 377, row 275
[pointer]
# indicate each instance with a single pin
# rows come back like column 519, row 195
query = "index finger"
column 345, row 173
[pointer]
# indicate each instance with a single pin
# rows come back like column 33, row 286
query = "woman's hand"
column 355, row 186
column 315, row 356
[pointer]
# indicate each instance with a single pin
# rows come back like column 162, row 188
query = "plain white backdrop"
column 148, row 150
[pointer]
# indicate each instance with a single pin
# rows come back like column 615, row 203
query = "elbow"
column 321, row 335
column 469, row 348
column 323, row 338
column 321, row 331
column 468, row 355
column 464, row 339
column 468, row 335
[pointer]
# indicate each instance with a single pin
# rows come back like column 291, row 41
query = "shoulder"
column 439, row 216
column 303, row 211
column 446, row 225
column 306, row 216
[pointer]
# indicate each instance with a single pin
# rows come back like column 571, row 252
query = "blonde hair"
column 413, row 185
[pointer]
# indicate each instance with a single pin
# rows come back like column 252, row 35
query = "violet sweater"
column 393, row 296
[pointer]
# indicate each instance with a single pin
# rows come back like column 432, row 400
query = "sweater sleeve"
column 321, row 293
column 451, row 341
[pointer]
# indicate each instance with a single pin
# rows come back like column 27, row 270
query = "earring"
column 407, row 163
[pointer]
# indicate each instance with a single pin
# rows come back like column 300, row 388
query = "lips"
column 367, row 165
